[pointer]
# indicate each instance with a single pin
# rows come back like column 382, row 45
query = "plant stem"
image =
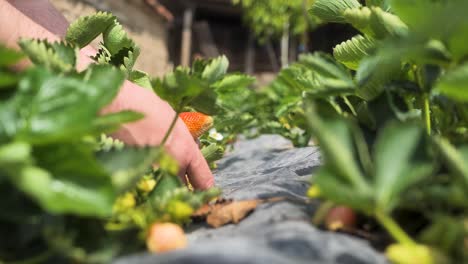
column 321, row 212
column 171, row 127
column 394, row 229
column 427, row 113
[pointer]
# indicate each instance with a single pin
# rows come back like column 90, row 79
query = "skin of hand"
column 39, row 19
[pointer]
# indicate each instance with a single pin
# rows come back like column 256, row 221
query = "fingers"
column 199, row 172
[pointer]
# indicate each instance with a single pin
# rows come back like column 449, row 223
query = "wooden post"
column 187, row 37
column 272, row 55
column 293, row 50
column 250, row 55
column 305, row 34
column 205, row 38
column 285, row 46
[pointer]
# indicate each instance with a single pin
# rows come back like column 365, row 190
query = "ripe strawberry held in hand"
column 196, row 122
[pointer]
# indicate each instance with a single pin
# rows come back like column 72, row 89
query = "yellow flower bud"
column 125, row 202
column 179, row 211
column 314, row 191
column 146, row 185
column 409, row 254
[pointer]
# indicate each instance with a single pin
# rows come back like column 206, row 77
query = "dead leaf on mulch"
column 223, row 212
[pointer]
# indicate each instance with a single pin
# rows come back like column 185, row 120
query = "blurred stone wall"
column 141, row 22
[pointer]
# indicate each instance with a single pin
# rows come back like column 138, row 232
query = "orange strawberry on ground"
column 196, row 122
column 164, row 237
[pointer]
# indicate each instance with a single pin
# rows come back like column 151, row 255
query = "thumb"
column 199, row 172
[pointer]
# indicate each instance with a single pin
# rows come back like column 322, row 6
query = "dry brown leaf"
column 224, row 211
column 203, row 212
column 232, row 212
column 206, row 209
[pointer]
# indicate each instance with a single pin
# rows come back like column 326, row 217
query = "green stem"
column 394, row 229
column 171, row 127
column 427, row 113
column 322, row 212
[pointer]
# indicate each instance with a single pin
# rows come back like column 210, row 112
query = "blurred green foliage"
column 267, row 18
column 389, row 113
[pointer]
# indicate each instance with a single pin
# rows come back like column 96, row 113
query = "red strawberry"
column 341, row 217
column 196, row 122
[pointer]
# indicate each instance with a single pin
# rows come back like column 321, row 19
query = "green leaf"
column 336, row 143
column 55, row 108
column 212, row 152
column 414, row 12
column 456, row 160
column 329, row 73
column 374, row 72
column 166, row 184
column 8, row 56
column 374, row 22
column 59, row 57
column 397, row 163
column 233, row 82
column 102, row 56
column 332, row 10
column 116, row 39
column 179, row 88
column 295, row 79
column 14, row 153
column 66, row 52
column 453, row 30
column 125, row 59
column 215, row 69
column 141, row 79
column 69, row 180
column 86, row 29
column 105, row 81
column 341, row 192
column 352, row 51
column 206, row 103
column 384, row 4
column 7, row 79
column 325, row 66
column 445, row 232
column 454, row 84
column 127, row 165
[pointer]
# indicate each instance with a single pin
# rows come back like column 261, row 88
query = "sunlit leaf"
column 332, row 10
column 59, row 57
column 455, row 159
column 352, row 51
column 86, row 29
column 454, row 84
column 215, row 69
column 374, row 22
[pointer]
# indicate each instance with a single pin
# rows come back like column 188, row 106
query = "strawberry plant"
column 71, row 192
column 389, row 111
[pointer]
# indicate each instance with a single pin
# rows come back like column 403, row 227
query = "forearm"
column 23, row 20
column 34, row 19
column 43, row 13
column 20, row 21
column 38, row 19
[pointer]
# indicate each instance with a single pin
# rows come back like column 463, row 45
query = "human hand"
column 151, row 130
column 41, row 20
